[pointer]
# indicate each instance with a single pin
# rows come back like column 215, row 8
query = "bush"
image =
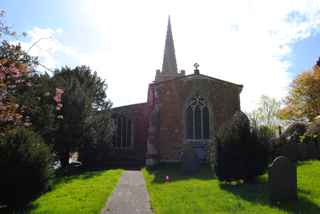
column 94, row 155
column 293, row 133
column 25, row 167
column 266, row 133
column 298, row 142
column 312, row 138
column 313, row 130
column 241, row 152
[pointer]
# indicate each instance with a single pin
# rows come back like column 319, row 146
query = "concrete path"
column 130, row 195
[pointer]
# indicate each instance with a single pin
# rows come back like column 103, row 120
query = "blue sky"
column 260, row 44
column 305, row 53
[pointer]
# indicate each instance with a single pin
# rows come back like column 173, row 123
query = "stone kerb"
column 282, row 180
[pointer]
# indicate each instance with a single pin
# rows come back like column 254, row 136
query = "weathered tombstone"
column 282, row 180
column 190, row 160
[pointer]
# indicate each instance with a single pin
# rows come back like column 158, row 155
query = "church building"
column 180, row 109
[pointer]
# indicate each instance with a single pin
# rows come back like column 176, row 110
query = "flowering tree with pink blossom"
column 18, row 85
column 15, row 76
column 68, row 108
column 20, row 143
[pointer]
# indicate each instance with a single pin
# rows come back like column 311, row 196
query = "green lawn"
column 204, row 194
column 85, row 193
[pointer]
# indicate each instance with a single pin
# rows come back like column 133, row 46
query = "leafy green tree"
column 85, row 112
column 98, row 133
column 241, row 150
column 43, row 114
column 68, row 109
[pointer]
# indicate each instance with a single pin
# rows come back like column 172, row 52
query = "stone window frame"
column 131, row 137
column 204, row 102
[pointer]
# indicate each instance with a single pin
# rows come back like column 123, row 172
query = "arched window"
column 197, row 119
column 123, row 134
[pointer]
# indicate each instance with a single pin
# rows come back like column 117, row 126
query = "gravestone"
column 190, row 161
column 282, row 180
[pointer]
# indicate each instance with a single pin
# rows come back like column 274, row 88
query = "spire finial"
column 169, row 58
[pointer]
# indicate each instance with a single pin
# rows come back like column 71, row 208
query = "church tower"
column 169, row 65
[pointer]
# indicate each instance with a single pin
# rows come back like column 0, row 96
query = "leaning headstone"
column 190, row 161
column 282, row 180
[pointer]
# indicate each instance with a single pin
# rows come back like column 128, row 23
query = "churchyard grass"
column 202, row 193
column 84, row 193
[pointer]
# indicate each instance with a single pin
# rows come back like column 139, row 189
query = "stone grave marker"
column 282, row 180
column 190, row 161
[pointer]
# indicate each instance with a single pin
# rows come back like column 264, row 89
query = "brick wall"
column 223, row 101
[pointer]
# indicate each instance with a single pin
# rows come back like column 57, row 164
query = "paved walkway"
column 130, row 195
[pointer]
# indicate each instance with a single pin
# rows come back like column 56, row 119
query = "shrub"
column 94, row 155
column 293, row 133
column 266, row 132
column 312, row 138
column 241, row 152
column 314, row 129
column 296, row 143
column 25, row 167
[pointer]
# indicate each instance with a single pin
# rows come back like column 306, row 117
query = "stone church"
column 180, row 109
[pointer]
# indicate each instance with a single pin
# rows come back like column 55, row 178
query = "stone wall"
column 223, row 101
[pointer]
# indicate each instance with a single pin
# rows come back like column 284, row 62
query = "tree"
column 98, row 135
column 241, row 151
column 303, row 101
column 267, row 113
column 83, row 104
column 25, row 165
column 67, row 109
column 16, row 69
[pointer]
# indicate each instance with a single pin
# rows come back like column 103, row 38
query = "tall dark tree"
column 241, row 151
column 85, row 111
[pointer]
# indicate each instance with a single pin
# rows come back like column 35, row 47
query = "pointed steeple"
column 169, row 58
column 169, row 65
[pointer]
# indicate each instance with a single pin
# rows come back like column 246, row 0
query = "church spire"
column 169, row 65
column 169, row 58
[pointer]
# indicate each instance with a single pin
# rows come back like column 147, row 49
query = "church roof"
column 129, row 106
column 192, row 76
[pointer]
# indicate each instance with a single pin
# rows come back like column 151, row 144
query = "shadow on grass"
column 24, row 210
column 175, row 174
column 82, row 174
column 59, row 179
column 258, row 193
column 301, row 163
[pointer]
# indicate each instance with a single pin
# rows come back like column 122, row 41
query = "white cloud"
column 42, row 43
column 247, row 42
